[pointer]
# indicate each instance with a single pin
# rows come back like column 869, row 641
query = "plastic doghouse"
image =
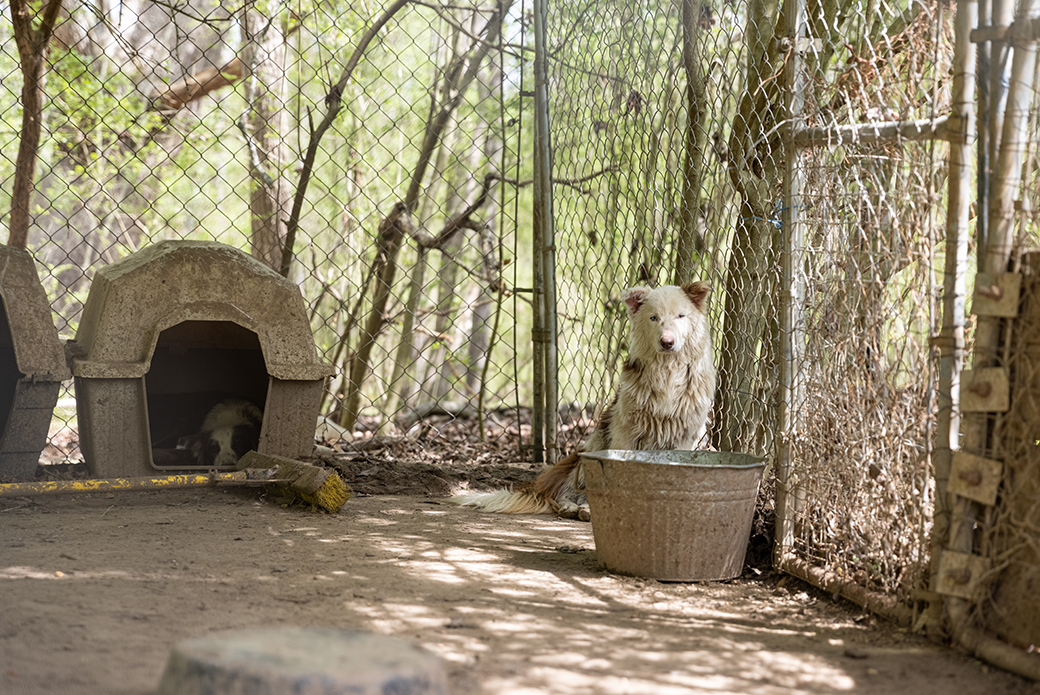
column 176, row 327
column 32, row 365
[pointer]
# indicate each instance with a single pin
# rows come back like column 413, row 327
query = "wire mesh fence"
column 193, row 121
column 671, row 118
column 413, row 239
column 1010, row 522
column 645, row 105
column 864, row 432
column 872, row 212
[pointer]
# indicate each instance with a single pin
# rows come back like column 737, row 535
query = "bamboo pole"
column 888, row 607
column 983, row 54
column 951, row 338
column 791, row 345
column 1001, row 13
column 1014, row 140
column 995, row 254
column 871, row 133
column 1000, row 654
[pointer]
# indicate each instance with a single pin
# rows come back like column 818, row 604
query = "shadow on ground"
column 98, row 588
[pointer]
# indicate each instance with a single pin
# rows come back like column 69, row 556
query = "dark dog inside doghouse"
column 205, row 387
column 230, row 430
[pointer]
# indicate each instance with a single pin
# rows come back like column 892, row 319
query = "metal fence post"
column 544, row 249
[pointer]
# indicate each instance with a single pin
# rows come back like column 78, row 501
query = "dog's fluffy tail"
column 522, row 501
column 538, row 497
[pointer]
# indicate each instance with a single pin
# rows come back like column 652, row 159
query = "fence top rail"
column 871, row 133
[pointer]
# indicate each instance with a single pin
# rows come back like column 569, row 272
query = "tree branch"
column 195, row 86
column 333, row 104
column 463, row 220
column 442, row 12
column 202, row 83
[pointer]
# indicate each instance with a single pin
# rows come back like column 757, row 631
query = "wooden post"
column 544, row 427
column 994, row 258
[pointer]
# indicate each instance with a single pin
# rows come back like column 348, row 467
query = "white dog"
column 666, row 390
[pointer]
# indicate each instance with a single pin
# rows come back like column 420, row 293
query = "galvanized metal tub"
column 672, row 515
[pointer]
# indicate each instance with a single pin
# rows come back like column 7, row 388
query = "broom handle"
column 57, row 487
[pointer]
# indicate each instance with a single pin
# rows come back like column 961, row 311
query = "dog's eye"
column 681, row 316
column 653, row 318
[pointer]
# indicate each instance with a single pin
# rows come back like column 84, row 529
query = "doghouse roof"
column 37, row 350
column 134, row 299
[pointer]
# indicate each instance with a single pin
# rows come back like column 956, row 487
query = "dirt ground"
column 96, row 589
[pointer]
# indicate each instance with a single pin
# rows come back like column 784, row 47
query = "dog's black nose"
column 667, row 344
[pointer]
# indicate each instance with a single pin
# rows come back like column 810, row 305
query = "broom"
column 316, row 485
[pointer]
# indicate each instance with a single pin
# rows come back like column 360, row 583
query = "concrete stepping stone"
column 302, row 661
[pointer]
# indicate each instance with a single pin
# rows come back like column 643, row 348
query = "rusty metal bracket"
column 959, row 573
column 985, row 390
column 975, row 477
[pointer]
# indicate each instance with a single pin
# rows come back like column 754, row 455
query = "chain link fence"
column 1009, row 524
column 669, row 156
column 873, row 216
column 864, row 430
column 672, row 158
column 167, row 121
column 647, row 142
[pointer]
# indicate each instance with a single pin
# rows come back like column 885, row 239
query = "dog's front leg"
column 573, row 502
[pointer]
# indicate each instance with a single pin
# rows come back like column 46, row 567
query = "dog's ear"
column 193, row 442
column 634, row 298
column 697, row 292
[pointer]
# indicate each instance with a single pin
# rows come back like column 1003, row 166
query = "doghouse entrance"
column 196, row 365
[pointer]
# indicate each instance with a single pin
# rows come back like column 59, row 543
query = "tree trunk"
column 747, row 350
column 479, row 340
column 451, row 305
column 690, row 244
column 448, row 302
column 392, row 231
column 263, row 126
column 32, row 51
column 401, row 380
column 480, row 332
